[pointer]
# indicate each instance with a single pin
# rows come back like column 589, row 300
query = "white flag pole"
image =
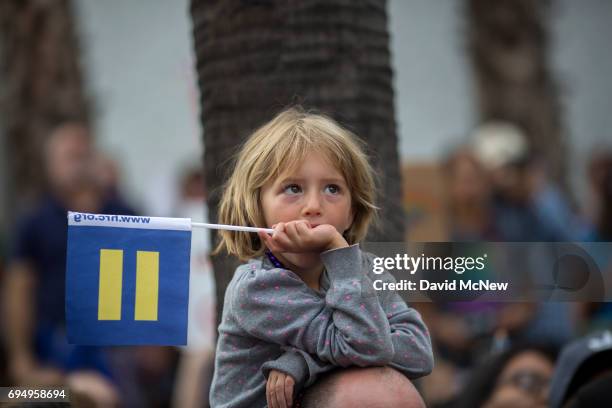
column 231, row 227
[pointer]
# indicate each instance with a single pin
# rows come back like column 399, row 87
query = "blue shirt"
column 40, row 240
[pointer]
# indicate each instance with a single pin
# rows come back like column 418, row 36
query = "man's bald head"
column 363, row 387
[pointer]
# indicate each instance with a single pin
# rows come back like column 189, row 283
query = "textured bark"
column 509, row 47
column 40, row 84
column 256, row 57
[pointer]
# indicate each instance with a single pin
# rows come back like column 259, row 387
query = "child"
column 304, row 302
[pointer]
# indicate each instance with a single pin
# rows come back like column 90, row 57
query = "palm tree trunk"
column 41, row 84
column 256, row 57
column 509, row 47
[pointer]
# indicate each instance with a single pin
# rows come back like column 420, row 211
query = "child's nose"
column 312, row 207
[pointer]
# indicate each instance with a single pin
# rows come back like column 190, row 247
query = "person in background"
column 600, row 181
column 34, row 290
column 195, row 367
column 503, row 151
column 108, row 173
column 524, row 211
column 598, row 315
column 469, row 198
column 517, row 377
column 583, row 375
column 460, row 330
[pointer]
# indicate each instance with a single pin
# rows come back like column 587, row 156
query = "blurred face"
column 512, row 183
column 69, row 157
column 315, row 192
column 524, row 381
column 469, row 185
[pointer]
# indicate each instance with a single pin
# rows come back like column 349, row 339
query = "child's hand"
column 279, row 390
column 299, row 237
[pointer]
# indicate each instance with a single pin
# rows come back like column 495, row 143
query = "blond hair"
column 278, row 147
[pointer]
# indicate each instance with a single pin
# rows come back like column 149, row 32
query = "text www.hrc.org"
column 78, row 217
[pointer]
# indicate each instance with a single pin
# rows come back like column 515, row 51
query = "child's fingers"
column 270, row 242
column 289, row 383
column 262, row 236
column 276, row 396
column 279, row 391
column 302, row 228
column 265, row 238
column 278, row 229
column 274, row 247
column 307, row 236
column 282, row 241
column 296, row 232
column 291, row 231
column 274, row 391
column 279, row 239
column 269, row 391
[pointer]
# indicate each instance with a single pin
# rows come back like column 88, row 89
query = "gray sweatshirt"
column 273, row 320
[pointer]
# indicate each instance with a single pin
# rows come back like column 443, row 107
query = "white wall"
column 434, row 102
column 582, row 59
column 139, row 65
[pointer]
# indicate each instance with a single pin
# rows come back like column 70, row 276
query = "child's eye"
column 332, row 189
column 292, row 189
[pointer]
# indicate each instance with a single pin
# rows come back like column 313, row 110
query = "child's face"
column 316, row 192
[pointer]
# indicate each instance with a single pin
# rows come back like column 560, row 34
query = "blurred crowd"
column 505, row 354
column 33, row 345
column 491, row 355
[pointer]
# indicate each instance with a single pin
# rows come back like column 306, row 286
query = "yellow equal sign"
column 147, row 285
column 109, row 291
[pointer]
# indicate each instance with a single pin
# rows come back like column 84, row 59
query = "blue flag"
column 127, row 279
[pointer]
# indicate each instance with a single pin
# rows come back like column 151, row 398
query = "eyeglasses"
column 531, row 382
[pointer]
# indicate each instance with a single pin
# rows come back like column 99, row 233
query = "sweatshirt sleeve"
column 413, row 354
column 292, row 363
column 347, row 327
column 412, row 350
